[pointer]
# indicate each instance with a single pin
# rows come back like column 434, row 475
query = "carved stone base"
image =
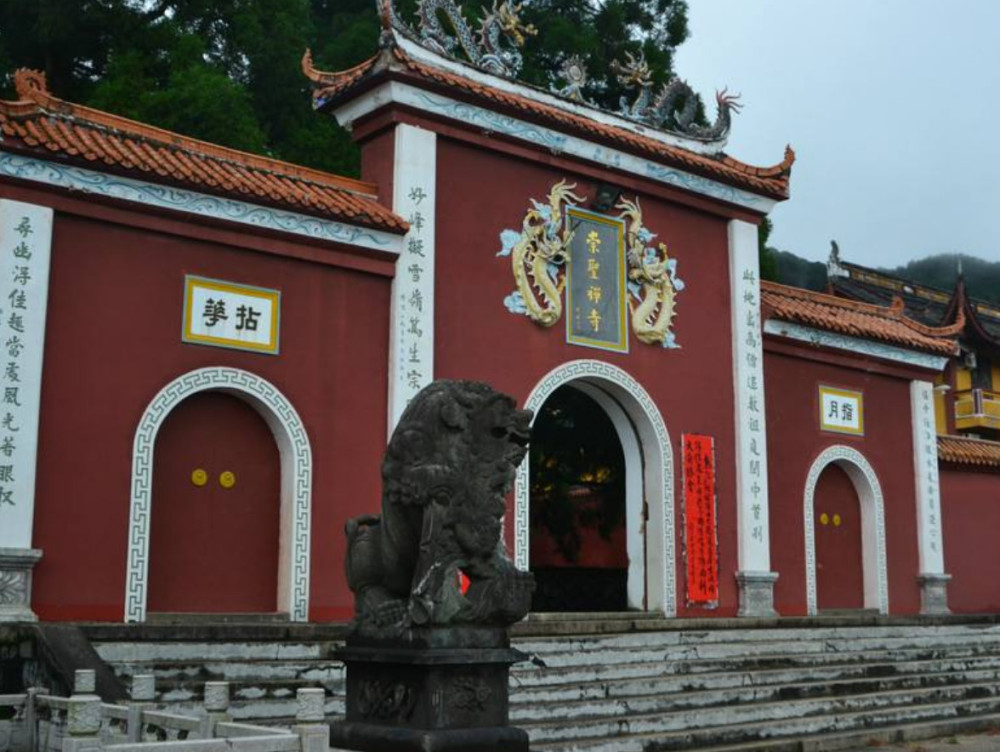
column 433, row 690
column 934, row 593
column 15, row 583
column 756, row 594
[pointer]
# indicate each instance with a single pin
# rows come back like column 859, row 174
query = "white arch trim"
column 296, row 482
column 658, row 473
column 873, row 551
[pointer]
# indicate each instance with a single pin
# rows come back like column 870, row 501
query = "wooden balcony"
column 977, row 408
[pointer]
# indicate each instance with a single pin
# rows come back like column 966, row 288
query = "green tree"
column 228, row 71
column 767, row 256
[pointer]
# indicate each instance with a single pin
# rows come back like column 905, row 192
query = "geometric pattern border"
column 869, row 491
column 296, row 477
column 597, row 371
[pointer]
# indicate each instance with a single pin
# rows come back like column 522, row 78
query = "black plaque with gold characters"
column 595, row 286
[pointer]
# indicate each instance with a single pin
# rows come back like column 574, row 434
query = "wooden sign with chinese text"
column 595, row 286
column 841, row 411
column 700, row 535
column 224, row 314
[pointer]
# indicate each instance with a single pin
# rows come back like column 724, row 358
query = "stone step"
column 153, row 652
column 597, row 689
column 676, row 637
column 897, row 734
column 741, row 734
column 528, row 674
column 651, row 649
column 819, row 714
column 590, row 709
column 235, row 671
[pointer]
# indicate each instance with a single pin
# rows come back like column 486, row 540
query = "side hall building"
column 204, row 352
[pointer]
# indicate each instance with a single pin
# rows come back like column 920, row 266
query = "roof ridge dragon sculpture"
column 675, row 106
column 485, row 48
column 496, row 48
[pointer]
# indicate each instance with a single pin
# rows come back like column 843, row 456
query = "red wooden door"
column 840, row 580
column 215, row 510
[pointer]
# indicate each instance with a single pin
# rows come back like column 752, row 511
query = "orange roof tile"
column 963, row 450
column 41, row 123
column 394, row 62
column 883, row 324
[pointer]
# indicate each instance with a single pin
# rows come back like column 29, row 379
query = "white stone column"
column 755, row 579
column 25, row 249
column 932, row 577
column 411, row 338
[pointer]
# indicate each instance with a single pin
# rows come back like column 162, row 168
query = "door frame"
column 873, row 552
column 295, row 455
column 649, row 477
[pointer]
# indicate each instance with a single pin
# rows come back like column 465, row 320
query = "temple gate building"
column 204, row 352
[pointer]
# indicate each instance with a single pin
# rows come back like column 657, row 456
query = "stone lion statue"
column 449, row 466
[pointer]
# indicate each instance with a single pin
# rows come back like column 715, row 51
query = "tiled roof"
column 395, row 63
column 962, row 450
column 872, row 322
column 924, row 303
column 40, row 124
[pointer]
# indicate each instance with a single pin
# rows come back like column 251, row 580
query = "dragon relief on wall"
column 540, row 250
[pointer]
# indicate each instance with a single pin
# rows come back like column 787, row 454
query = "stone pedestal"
column 429, row 690
column 756, row 594
column 15, row 583
column 934, row 593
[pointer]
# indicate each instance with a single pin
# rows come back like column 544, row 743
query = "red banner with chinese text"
column 700, row 538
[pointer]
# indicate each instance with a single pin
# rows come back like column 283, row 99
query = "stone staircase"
column 618, row 684
column 264, row 663
column 770, row 688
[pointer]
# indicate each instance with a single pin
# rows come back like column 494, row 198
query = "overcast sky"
column 891, row 106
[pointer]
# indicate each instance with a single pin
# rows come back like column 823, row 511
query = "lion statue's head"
column 458, row 445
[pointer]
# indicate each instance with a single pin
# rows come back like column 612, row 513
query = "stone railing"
column 83, row 723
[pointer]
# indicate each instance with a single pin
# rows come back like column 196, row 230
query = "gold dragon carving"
column 541, row 249
column 651, row 268
column 537, row 253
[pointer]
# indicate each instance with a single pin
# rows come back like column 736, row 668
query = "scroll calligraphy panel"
column 700, row 531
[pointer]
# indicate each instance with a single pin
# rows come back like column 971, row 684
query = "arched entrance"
column 214, row 538
column 577, row 516
column 844, row 534
column 648, row 478
column 295, row 483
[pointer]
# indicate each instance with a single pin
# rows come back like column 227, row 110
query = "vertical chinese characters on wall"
column 927, row 432
column 19, row 249
column 414, row 321
column 753, row 413
column 701, row 534
column 25, row 238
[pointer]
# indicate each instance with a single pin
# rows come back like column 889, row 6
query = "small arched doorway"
column 577, row 516
column 214, row 538
column 821, row 498
column 840, row 580
column 294, row 530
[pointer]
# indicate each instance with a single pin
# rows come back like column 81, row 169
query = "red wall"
column 795, row 441
column 970, row 508
column 114, row 339
column 480, row 194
